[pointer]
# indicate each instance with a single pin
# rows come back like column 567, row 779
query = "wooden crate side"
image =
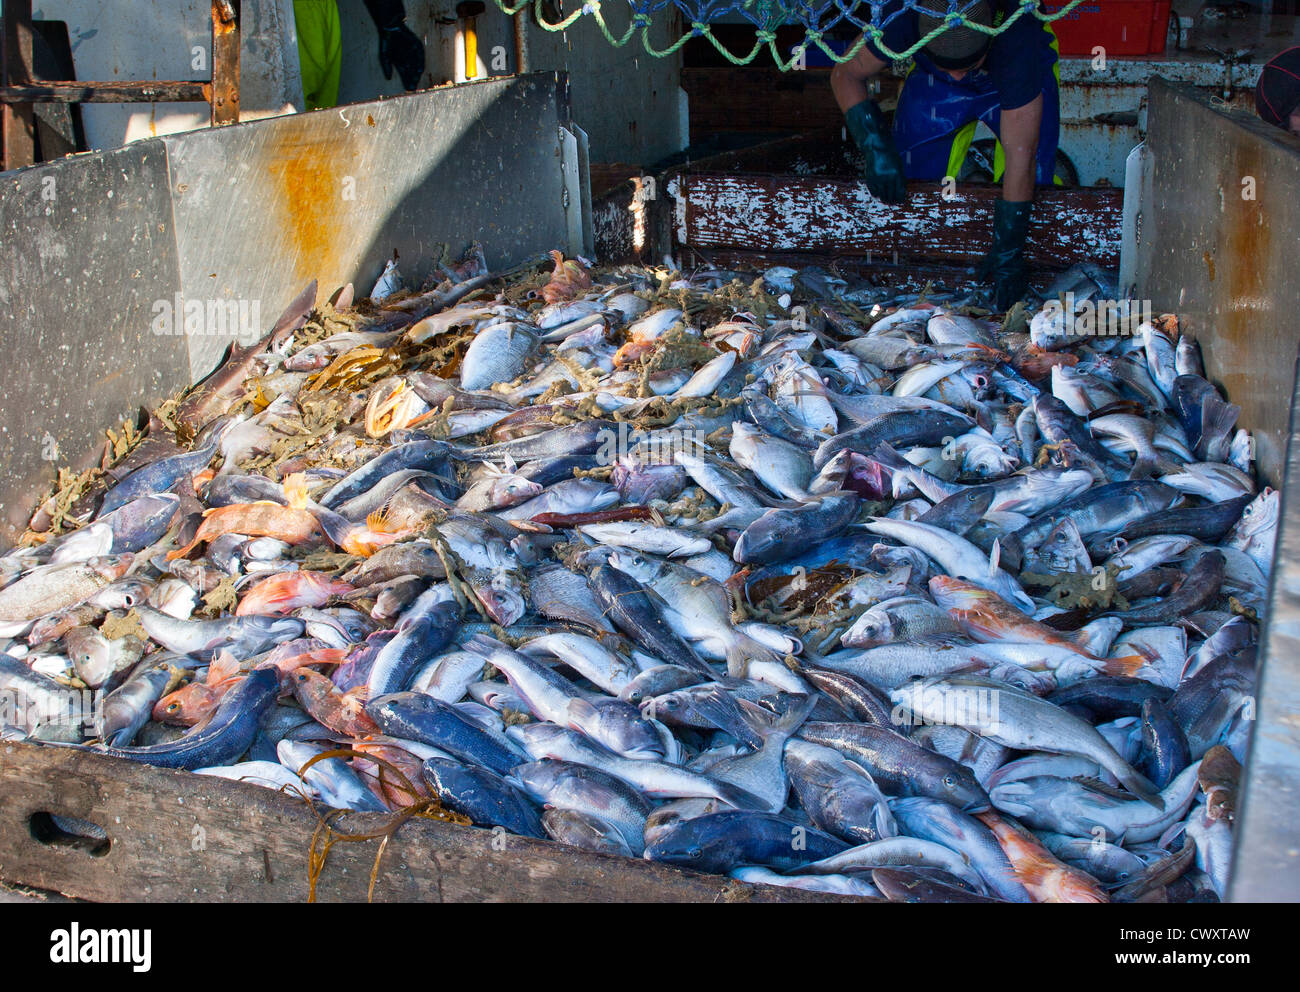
column 839, row 216
column 176, row 836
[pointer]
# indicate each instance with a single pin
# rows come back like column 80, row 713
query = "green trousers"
column 320, row 51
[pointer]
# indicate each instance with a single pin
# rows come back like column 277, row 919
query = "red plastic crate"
column 1121, row 27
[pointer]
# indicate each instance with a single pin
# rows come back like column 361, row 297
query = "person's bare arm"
column 1019, row 138
column 849, row 79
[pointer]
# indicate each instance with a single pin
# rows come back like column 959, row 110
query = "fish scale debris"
column 686, row 566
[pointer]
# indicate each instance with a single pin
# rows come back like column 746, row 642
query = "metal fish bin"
column 101, row 253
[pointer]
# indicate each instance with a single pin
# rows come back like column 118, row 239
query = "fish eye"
column 173, row 707
column 695, row 854
column 128, row 600
column 950, row 781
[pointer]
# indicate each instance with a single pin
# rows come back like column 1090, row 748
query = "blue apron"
column 936, row 117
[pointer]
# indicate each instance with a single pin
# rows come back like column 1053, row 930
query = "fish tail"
column 182, row 552
column 1138, row 784
column 734, row 795
column 1144, row 466
column 1217, row 421
column 742, row 650
column 767, row 724
column 335, row 526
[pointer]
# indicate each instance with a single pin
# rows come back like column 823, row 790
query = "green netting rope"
column 766, row 16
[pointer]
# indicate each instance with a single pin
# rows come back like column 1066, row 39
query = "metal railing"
column 21, row 91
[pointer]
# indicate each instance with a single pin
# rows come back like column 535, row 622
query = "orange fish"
column 192, row 704
column 287, row 591
column 341, row 711
column 988, row 618
column 389, row 789
column 377, row 532
column 287, row 523
column 287, row 662
column 569, row 280
column 1044, row 877
column 1035, row 363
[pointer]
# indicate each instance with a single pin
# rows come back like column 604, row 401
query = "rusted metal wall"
column 87, row 245
column 1220, row 233
column 1218, row 245
column 263, row 208
column 101, row 254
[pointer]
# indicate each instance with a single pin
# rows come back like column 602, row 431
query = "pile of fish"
column 771, row 574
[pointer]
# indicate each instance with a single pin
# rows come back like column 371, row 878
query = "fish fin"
column 379, row 522
column 1011, row 548
column 1127, row 666
column 224, row 665
column 482, row 644
column 359, row 693
column 995, row 556
column 580, row 712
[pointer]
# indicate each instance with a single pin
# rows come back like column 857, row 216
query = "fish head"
column 1015, row 798
column 501, row 599
column 629, row 734
column 536, row 778
column 873, row 628
column 636, row 565
column 186, row 706
column 91, row 655
column 988, row 461
column 1260, row 514
column 962, row 789
column 124, row 594
column 758, row 543
column 669, row 707
column 954, row 593
column 509, row 490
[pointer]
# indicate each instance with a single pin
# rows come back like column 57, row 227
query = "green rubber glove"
column 883, row 171
column 1005, row 264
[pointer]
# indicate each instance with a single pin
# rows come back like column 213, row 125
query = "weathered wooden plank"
column 814, row 214
column 17, row 120
column 906, row 275
column 153, row 91
column 619, row 221
column 183, row 837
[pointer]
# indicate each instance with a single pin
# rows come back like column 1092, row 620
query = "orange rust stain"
column 309, row 179
column 370, row 121
column 1245, row 254
column 1209, row 264
column 1246, row 249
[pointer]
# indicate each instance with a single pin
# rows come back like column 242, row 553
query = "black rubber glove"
column 883, row 169
column 399, row 47
column 1005, row 264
